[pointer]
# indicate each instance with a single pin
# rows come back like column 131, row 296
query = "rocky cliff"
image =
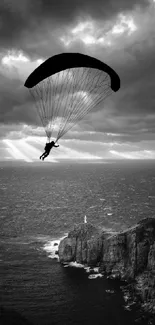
column 127, row 255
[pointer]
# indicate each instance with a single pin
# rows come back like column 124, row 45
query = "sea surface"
column 39, row 204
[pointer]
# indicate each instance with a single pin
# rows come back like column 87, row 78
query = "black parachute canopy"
column 65, row 61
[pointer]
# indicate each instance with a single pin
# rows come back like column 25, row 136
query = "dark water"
column 41, row 203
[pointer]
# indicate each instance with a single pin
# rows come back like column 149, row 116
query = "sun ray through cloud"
column 16, row 153
column 121, row 36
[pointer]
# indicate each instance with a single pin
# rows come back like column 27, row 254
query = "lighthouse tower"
column 85, row 219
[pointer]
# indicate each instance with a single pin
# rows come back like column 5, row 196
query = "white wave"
column 57, row 207
column 87, row 269
column 96, row 269
column 75, row 264
column 93, row 206
column 94, row 276
column 107, row 208
column 51, row 247
column 109, row 291
column 90, row 269
column 127, row 307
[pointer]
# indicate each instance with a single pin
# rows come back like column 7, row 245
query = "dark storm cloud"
column 25, row 20
column 32, row 26
column 5, row 130
column 132, row 109
column 16, row 105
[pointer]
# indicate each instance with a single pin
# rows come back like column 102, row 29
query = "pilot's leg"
column 42, row 155
column 45, row 155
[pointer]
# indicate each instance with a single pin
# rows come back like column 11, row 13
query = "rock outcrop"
column 127, row 255
column 83, row 245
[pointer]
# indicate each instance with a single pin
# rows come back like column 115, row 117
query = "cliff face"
column 131, row 252
column 83, row 245
column 126, row 255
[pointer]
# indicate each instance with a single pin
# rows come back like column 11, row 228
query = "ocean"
column 39, row 204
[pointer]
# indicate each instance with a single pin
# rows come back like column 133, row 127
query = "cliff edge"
column 127, row 255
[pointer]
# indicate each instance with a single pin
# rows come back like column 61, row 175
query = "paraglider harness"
column 48, row 147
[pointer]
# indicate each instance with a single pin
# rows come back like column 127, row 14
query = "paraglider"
column 47, row 149
column 66, row 87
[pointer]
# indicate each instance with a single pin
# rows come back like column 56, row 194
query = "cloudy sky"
column 118, row 32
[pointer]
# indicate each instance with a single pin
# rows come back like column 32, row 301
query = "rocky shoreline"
column 127, row 255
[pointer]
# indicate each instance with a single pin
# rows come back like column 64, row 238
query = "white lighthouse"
column 85, row 219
